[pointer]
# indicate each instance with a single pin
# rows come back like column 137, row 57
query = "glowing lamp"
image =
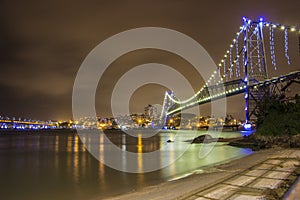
column 247, row 126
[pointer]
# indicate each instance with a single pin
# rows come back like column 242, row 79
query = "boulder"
column 203, row 139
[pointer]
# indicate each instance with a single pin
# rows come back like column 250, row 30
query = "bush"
column 276, row 118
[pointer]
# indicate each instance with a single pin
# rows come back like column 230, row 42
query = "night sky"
column 43, row 43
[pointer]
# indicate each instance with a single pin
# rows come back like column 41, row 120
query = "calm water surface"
column 56, row 165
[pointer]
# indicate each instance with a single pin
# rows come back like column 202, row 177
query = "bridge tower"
column 255, row 65
column 167, row 104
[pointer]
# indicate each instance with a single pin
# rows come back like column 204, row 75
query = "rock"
column 208, row 139
column 295, row 141
column 224, row 139
column 257, row 142
column 202, row 139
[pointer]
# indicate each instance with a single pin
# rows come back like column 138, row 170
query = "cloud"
column 42, row 43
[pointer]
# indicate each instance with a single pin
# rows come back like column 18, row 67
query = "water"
column 56, row 165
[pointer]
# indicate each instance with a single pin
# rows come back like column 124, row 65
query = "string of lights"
column 230, row 61
column 272, row 47
column 229, row 53
column 227, row 58
column 243, row 59
column 224, row 63
column 299, row 42
column 237, row 63
column 258, row 53
column 251, row 55
column 224, row 71
column 286, row 46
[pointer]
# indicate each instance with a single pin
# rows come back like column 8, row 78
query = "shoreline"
column 185, row 187
column 198, row 182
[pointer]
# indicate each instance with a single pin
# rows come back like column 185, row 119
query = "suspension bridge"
column 243, row 69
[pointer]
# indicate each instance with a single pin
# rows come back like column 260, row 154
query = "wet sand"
column 183, row 188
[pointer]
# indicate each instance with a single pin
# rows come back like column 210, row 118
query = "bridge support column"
column 254, row 64
column 247, row 124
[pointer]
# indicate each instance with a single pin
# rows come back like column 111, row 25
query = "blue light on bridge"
column 247, row 133
column 247, row 127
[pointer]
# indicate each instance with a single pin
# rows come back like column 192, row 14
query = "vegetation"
column 278, row 124
column 278, row 118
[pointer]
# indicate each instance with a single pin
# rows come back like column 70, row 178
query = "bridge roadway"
column 17, row 123
column 230, row 88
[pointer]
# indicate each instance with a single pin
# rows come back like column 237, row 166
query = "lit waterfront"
column 133, row 121
column 55, row 165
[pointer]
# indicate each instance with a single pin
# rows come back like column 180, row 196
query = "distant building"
column 151, row 112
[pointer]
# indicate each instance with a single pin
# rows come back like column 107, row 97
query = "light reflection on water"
column 53, row 165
